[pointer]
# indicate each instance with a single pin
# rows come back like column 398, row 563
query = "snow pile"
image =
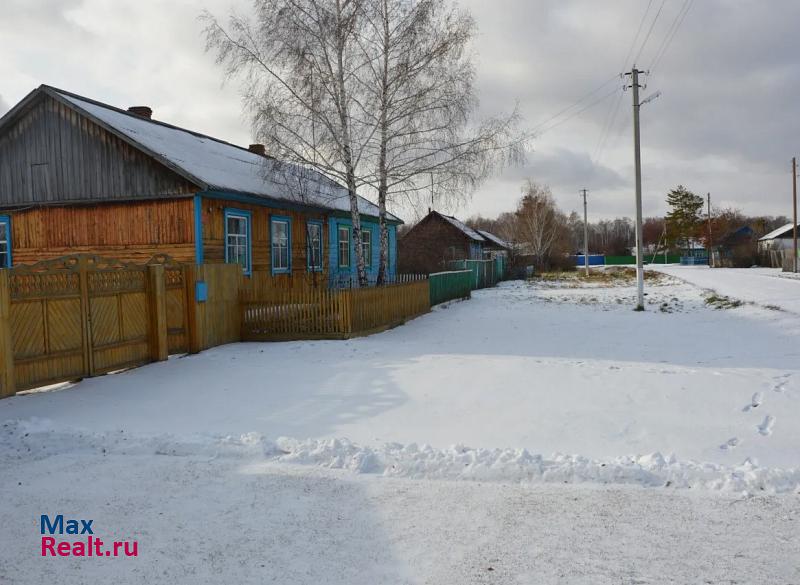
column 520, row 466
column 37, row 439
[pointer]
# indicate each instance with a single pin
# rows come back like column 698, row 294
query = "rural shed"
column 78, row 175
column 779, row 239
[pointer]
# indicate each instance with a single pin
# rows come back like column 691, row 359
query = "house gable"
column 51, row 153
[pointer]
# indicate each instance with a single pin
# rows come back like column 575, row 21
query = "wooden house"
column 436, row 241
column 77, row 175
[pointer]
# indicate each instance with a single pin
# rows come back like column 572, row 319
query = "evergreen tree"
column 684, row 218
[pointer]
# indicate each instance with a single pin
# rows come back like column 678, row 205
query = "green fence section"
column 465, row 276
column 484, row 272
column 648, row 259
column 500, row 267
column 446, row 286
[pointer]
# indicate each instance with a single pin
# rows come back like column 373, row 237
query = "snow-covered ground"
column 765, row 286
column 445, row 451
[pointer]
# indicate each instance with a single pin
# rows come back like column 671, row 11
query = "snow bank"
column 520, row 466
column 37, row 438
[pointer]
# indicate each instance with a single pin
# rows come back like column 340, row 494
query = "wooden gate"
column 85, row 315
column 47, row 323
column 118, row 314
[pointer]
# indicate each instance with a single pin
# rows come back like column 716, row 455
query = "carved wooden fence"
column 83, row 315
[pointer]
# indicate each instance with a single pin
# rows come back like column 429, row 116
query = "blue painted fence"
column 594, row 260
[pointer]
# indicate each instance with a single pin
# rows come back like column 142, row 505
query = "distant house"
column 736, row 249
column 693, row 248
column 77, row 175
column 437, row 240
column 779, row 239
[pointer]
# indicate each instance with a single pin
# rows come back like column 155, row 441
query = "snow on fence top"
column 222, row 166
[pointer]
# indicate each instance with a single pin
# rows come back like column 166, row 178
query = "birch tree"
column 298, row 62
column 419, row 84
column 541, row 228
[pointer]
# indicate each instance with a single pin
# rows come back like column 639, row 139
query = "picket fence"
column 283, row 314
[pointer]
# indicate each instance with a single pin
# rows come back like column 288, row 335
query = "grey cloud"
column 568, row 170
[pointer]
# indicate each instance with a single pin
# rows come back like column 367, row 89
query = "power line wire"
column 673, row 31
column 613, row 111
column 607, row 133
column 650, row 30
column 592, row 104
column 573, row 105
column 636, row 38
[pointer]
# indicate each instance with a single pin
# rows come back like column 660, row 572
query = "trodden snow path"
column 762, row 286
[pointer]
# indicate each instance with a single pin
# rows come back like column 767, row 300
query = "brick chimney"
column 257, row 149
column 142, row 111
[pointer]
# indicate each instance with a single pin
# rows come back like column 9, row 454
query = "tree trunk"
column 383, row 188
column 383, row 268
column 347, row 152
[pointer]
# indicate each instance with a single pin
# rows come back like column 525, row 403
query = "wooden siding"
column 53, row 154
column 133, row 231
column 213, row 218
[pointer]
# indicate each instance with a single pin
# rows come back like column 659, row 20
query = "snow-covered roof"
column 778, row 232
column 221, row 166
column 468, row 231
column 494, row 239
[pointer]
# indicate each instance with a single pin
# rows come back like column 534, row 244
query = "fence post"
column 159, row 350
column 194, row 322
column 7, row 383
column 348, row 312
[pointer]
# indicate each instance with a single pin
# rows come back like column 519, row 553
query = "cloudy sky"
column 727, row 121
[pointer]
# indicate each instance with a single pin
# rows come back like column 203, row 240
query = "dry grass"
column 723, row 302
column 609, row 276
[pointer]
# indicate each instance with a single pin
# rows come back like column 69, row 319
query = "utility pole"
column 794, row 213
column 585, row 235
column 710, row 247
column 637, row 157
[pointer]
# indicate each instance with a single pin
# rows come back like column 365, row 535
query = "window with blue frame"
column 238, row 245
column 314, row 240
column 366, row 246
column 5, row 241
column 344, row 247
column 280, row 227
